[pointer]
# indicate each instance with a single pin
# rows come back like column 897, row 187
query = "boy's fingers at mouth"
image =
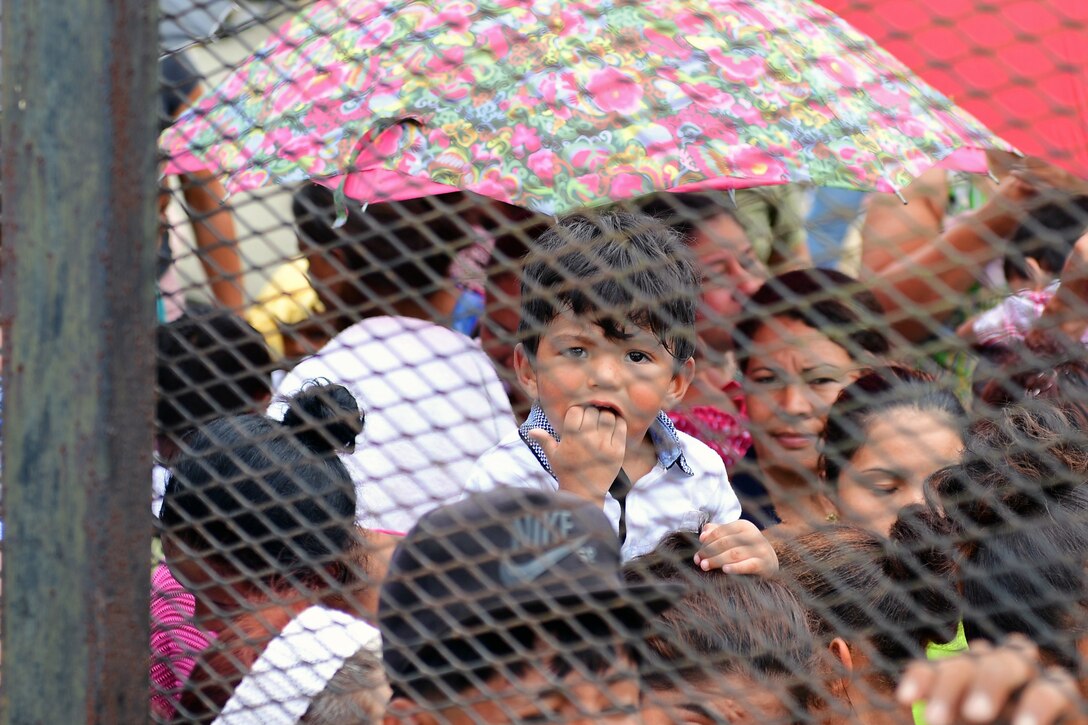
column 575, row 418
column 606, row 420
column 619, row 432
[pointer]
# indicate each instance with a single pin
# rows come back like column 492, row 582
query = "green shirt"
column 939, row 651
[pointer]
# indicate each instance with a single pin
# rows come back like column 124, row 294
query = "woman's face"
column 793, row 375
column 731, row 273
column 903, row 446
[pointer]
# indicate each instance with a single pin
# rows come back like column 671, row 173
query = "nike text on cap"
column 503, row 558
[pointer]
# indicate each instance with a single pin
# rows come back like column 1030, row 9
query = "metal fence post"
column 79, row 181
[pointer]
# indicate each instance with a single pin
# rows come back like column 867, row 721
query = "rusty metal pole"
column 79, row 182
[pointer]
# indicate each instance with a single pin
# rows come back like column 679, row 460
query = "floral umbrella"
column 558, row 104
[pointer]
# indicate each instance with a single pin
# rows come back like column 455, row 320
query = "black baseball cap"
column 502, row 559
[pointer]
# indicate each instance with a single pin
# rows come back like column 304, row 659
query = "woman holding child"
column 608, row 330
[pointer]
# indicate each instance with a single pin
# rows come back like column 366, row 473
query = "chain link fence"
column 512, row 366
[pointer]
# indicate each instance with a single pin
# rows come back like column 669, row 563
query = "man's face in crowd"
column 539, row 695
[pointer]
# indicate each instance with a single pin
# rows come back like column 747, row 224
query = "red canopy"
column 1020, row 66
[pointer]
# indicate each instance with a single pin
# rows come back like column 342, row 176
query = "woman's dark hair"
column 211, row 363
column 512, row 227
column 889, row 596
column 723, row 625
column 1016, row 510
column 393, row 247
column 837, row 305
column 267, row 499
column 878, row 393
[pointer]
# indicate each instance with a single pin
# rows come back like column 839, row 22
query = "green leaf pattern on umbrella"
column 559, row 104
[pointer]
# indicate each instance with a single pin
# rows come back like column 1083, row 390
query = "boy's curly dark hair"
column 618, row 268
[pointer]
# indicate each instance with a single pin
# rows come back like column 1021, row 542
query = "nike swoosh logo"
column 513, row 574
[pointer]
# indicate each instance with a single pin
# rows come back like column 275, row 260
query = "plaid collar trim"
column 662, row 433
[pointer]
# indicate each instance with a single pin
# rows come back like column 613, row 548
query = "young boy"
column 608, row 308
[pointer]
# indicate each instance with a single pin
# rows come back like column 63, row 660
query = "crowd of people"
column 471, row 465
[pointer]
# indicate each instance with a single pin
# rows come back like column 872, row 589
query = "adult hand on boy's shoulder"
column 736, row 548
column 590, row 454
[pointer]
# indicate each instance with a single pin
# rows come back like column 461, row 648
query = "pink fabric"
column 1012, row 317
column 175, row 642
column 725, row 433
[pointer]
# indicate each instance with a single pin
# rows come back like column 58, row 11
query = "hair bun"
column 920, row 545
column 324, row 417
column 919, row 562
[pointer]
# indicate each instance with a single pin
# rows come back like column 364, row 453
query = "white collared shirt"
column 666, row 499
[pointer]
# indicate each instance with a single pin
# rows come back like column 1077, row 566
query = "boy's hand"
column 992, row 684
column 736, row 548
column 591, row 453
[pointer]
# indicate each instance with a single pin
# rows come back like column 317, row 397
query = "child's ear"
column 523, row 366
column 839, row 686
column 681, row 381
column 840, row 650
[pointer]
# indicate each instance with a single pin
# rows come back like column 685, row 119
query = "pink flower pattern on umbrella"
column 612, row 91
